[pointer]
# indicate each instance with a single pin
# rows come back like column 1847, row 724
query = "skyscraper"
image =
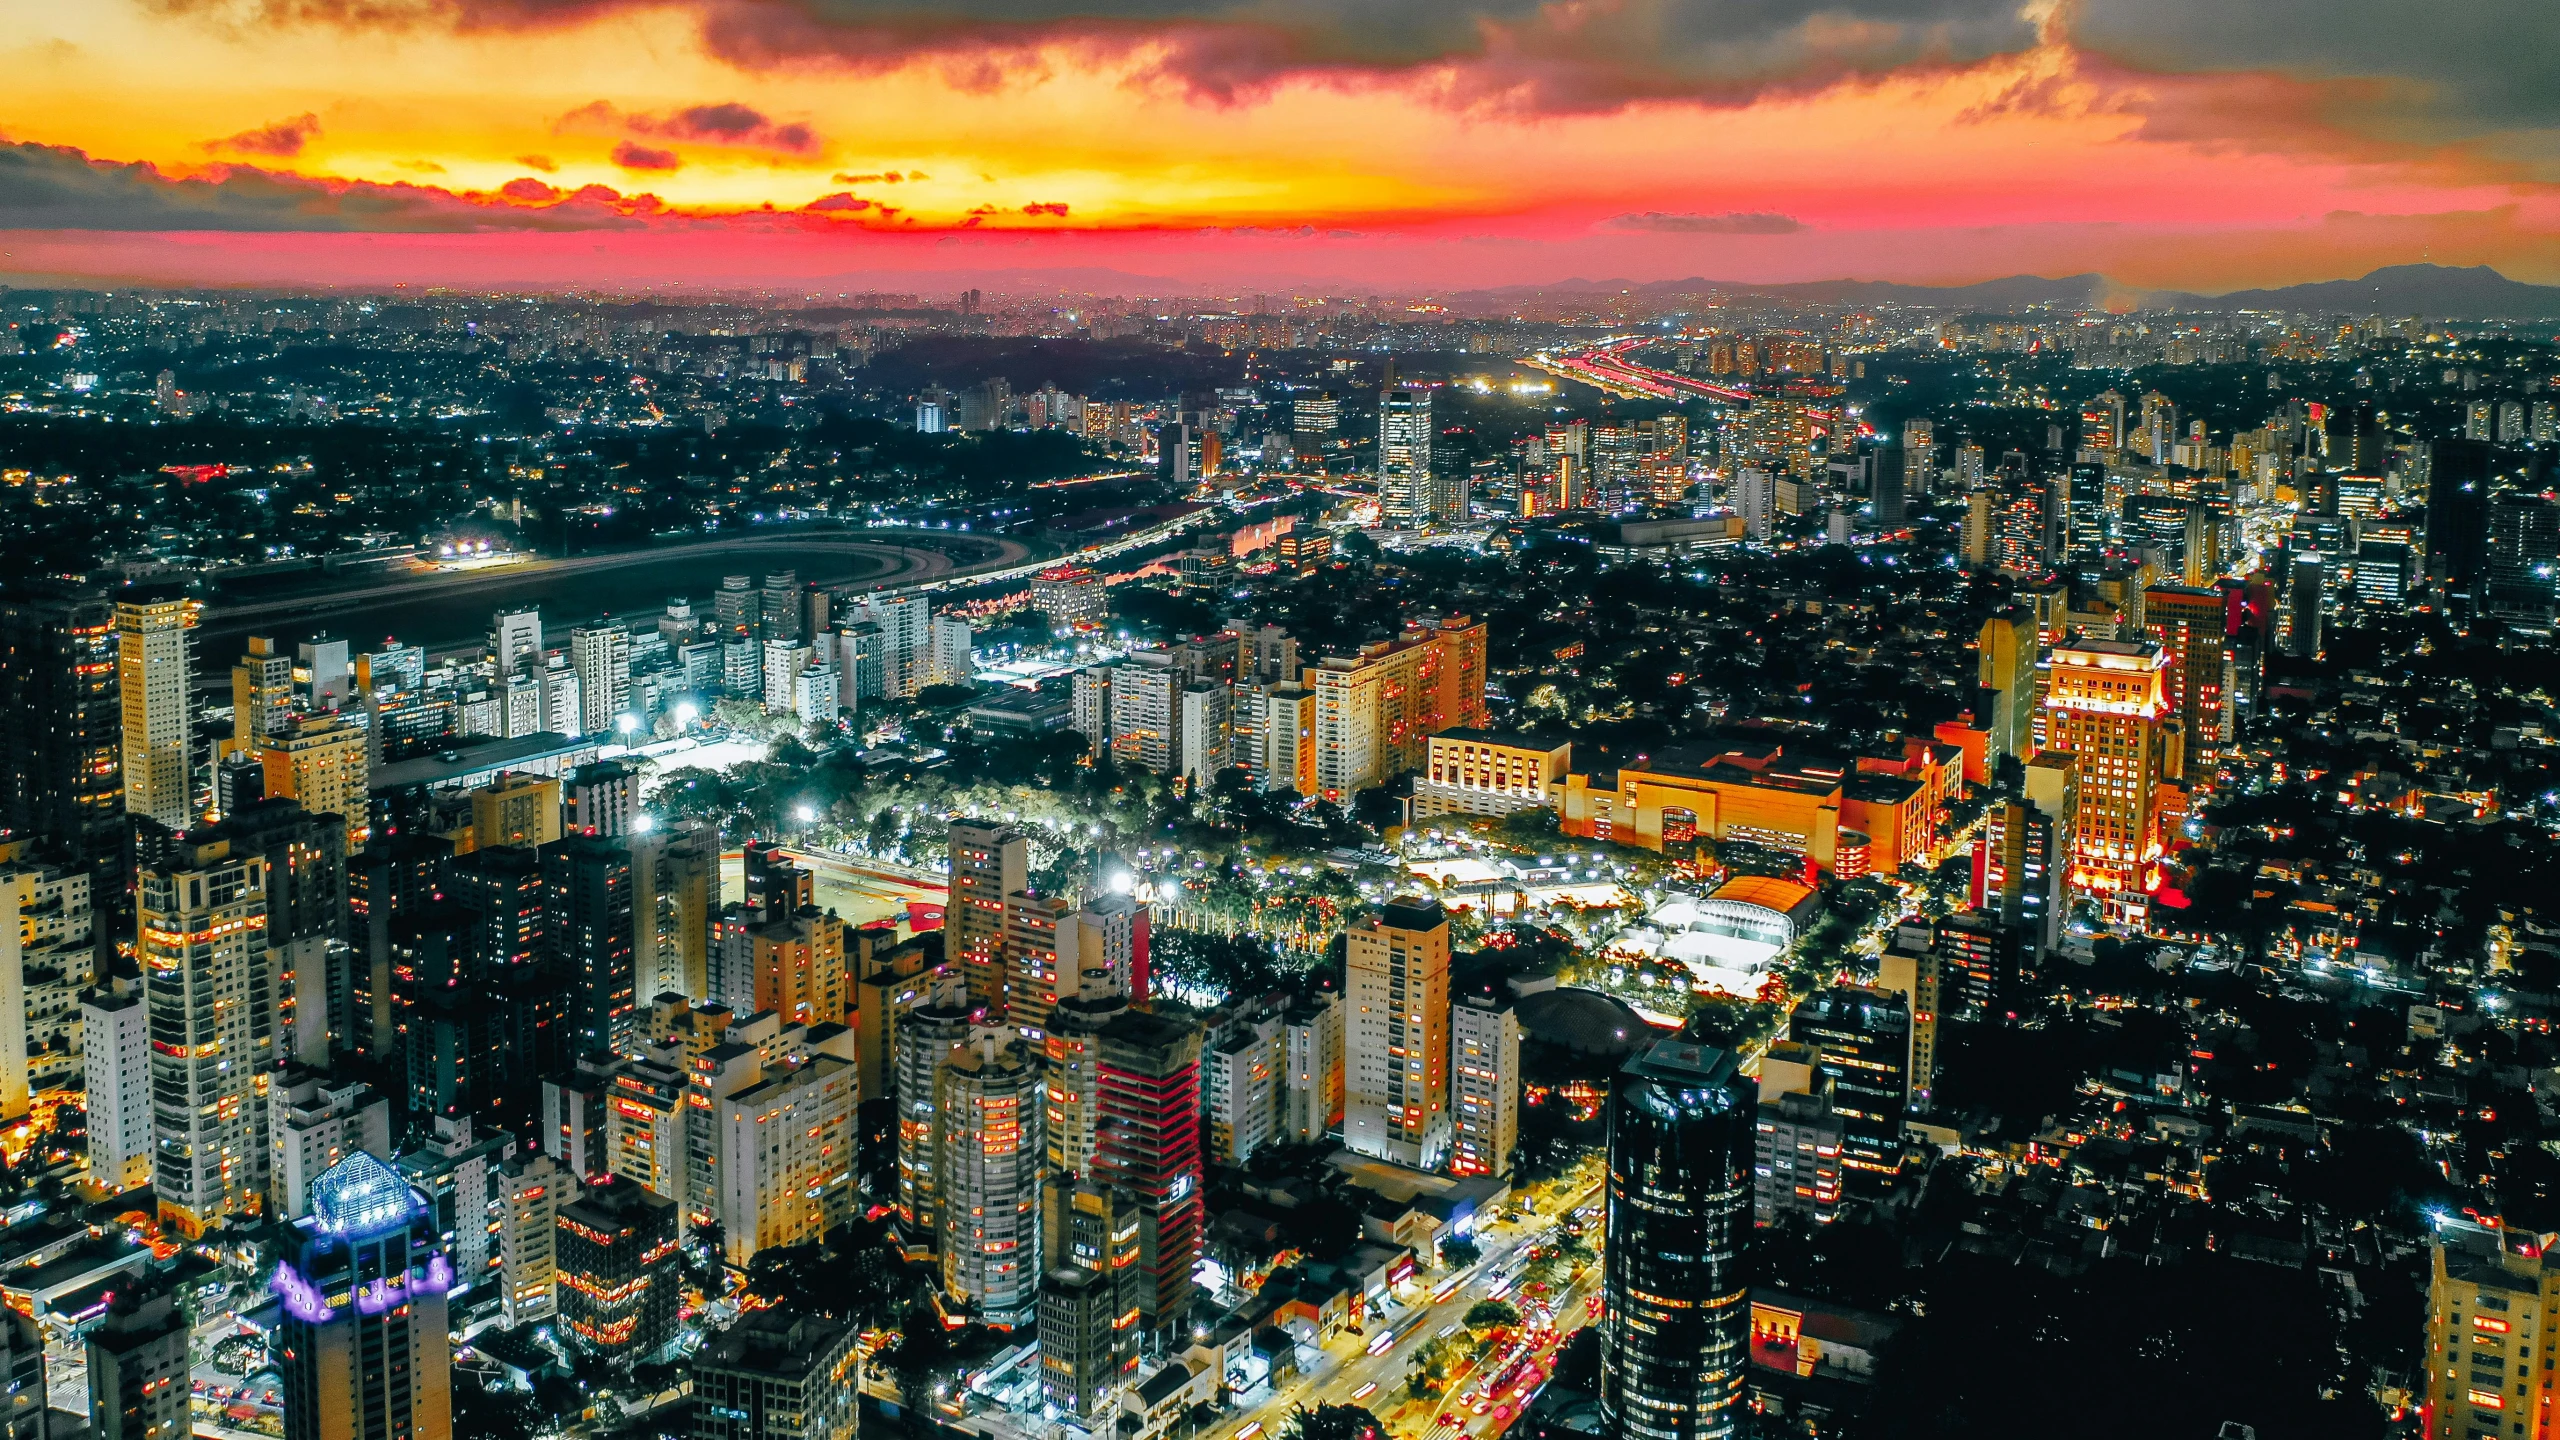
column 154, row 634
column 1675, row 1323
column 587, row 883
column 115, row 1054
column 601, row 654
column 988, row 862
column 2191, row 627
column 988, row 1110
column 1406, row 496
column 1148, row 1143
column 1396, row 1035
column 927, row 1037
column 1089, row 1297
column 364, row 1336
column 209, row 988
column 61, row 735
column 1864, row 1036
column 1484, row 1083
column 2107, row 704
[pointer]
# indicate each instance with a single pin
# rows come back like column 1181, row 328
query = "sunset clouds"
column 1387, row 142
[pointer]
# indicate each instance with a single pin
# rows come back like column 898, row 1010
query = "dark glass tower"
column 366, row 1353
column 1675, row 1336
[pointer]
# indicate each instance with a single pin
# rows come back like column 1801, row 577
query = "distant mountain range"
column 2431, row 291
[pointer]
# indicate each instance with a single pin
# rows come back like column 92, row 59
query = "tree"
column 1492, row 1315
column 1333, row 1422
column 1457, row 1252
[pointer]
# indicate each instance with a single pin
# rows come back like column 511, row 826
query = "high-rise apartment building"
column 210, row 996
column 783, row 1132
column 261, row 695
column 531, row 1191
column 1910, row 967
column 1033, row 923
column 601, row 656
column 364, row 1335
column 314, row 1125
column 2007, row 653
column 989, row 1108
column 1408, row 497
column 1796, row 1162
column 1148, row 1143
column 2107, row 704
column 927, row 1038
column 988, row 862
column 1484, row 1083
column 2493, row 1296
column 674, row 894
column 1311, row 1100
column 139, row 1365
column 154, row 647
column 1396, row 1035
column 2022, row 855
column 320, row 765
column 116, row 1062
column 1376, row 710
column 1675, row 1320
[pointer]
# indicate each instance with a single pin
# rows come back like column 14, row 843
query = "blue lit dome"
column 361, row 1196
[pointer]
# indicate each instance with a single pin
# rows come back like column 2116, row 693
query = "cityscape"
column 797, row 719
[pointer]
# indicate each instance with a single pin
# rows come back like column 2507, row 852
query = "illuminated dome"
column 362, row 1196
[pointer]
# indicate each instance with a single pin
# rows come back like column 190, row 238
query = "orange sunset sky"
column 1399, row 144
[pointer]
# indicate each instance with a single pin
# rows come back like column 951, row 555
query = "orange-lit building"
column 1488, row 772
column 1376, row 710
column 2190, row 625
column 2107, row 704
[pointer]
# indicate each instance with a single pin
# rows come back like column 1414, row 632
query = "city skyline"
column 745, row 142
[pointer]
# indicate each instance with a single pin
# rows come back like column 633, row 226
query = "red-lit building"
column 1147, row 1140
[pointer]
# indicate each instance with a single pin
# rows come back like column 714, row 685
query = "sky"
column 1335, row 146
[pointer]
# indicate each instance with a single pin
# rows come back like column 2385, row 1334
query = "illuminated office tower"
column 1910, row 968
column 153, row 647
column 988, row 1109
column 138, row 1365
column 621, row 1269
column 2022, row 857
column 364, row 1336
column 1919, row 458
column 1148, row 1143
column 1796, row 1160
column 1484, row 1084
column 675, row 871
column 2191, row 627
column 1864, row 1035
column 1089, row 1295
column 1675, row 1319
column 2007, row 660
column 61, row 726
column 588, row 902
column 988, row 862
column 209, row 990
column 2107, row 704
column 1407, row 496
column 1396, row 1035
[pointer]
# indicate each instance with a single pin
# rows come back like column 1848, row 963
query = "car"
column 1451, row 1419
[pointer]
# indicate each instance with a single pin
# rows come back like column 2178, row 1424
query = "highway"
column 1606, row 367
column 1347, row 1367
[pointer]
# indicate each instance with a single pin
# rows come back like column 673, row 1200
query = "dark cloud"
column 1057, row 208
column 632, row 155
column 1731, row 222
column 728, row 124
column 843, row 203
column 885, row 177
column 283, row 140
column 47, row 187
column 543, row 163
column 2480, row 68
